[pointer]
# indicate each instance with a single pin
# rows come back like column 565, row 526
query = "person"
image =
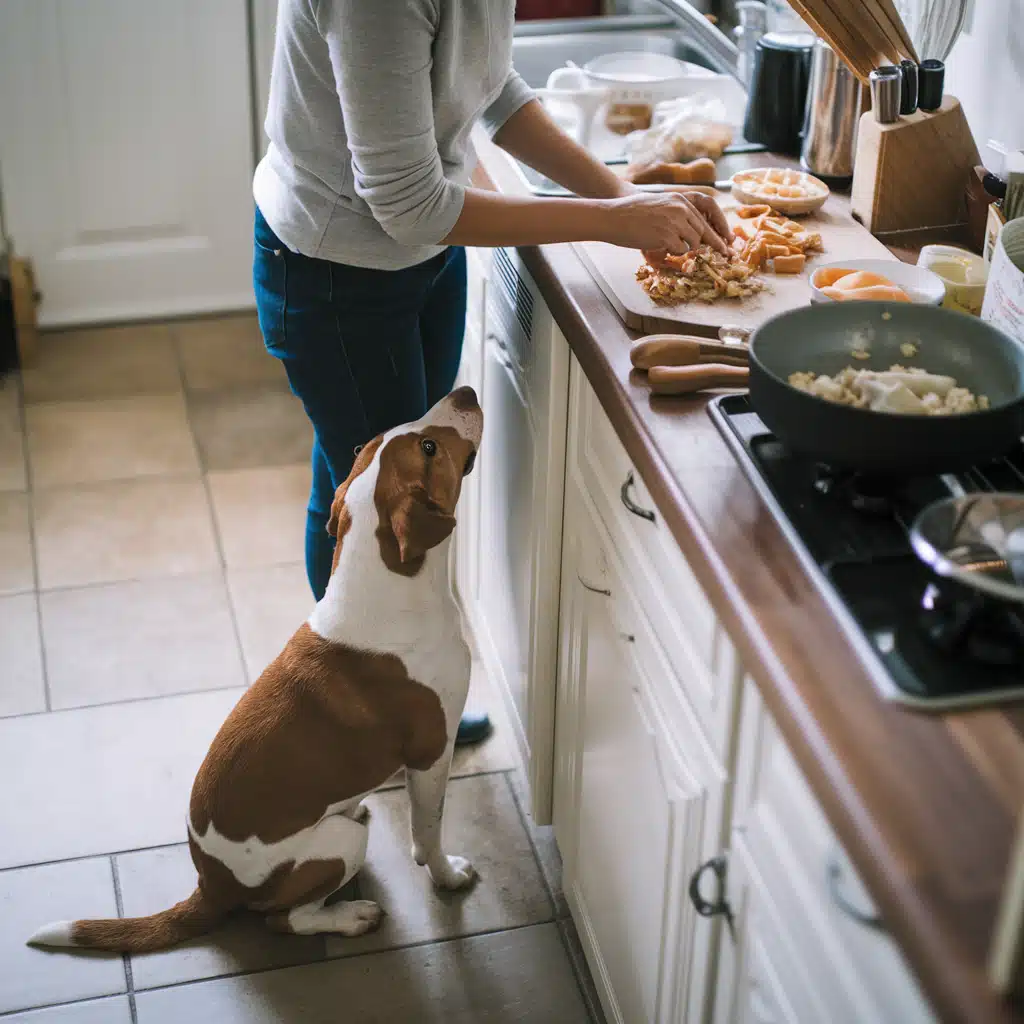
column 363, row 206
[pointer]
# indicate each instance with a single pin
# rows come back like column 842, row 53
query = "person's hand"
column 666, row 222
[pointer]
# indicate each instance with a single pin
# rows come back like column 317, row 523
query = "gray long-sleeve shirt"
column 370, row 110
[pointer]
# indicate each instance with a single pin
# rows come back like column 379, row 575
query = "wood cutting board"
column 614, row 270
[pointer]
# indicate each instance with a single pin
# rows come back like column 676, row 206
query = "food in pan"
column 696, row 172
column 900, row 389
column 700, row 275
column 846, row 285
column 623, row 118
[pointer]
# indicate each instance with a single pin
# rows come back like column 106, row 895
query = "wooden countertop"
column 925, row 804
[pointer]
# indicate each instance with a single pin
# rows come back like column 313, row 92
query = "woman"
column 363, row 207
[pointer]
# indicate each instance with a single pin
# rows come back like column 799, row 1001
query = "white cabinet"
column 510, row 587
column 670, row 774
column 808, row 943
column 126, row 153
column 640, row 792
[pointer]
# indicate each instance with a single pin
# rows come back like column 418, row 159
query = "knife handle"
column 686, row 380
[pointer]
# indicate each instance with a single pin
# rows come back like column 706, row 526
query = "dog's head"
column 413, row 476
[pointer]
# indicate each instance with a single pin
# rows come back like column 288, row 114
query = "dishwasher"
column 525, row 390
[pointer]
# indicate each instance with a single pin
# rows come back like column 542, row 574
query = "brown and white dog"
column 376, row 679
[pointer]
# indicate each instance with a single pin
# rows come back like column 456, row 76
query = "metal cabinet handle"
column 637, row 510
column 593, row 589
column 834, row 877
column 718, row 866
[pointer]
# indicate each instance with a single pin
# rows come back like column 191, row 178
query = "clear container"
column 753, row 24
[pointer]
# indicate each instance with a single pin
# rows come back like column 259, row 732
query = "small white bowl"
column 923, row 287
column 748, row 186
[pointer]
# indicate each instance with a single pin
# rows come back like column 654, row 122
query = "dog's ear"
column 337, row 511
column 419, row 525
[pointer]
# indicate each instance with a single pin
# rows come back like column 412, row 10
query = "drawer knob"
column 834, row 877
column 719, row 907
column 627, row 500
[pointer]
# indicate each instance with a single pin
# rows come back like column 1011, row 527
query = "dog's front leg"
column 426, row 803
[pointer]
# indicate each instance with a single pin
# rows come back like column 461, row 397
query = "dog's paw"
column 356, row 917
column 453, row 873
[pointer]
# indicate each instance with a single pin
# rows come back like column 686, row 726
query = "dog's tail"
column 194, row 916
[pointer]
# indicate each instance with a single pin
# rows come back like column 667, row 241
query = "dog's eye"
column 429, row 447
column 358, row 448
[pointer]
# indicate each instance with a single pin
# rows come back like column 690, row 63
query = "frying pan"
column 822, row 338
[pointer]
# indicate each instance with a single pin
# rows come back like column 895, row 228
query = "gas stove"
column 925, row 642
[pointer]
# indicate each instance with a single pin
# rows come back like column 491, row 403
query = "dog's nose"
column 464, row 399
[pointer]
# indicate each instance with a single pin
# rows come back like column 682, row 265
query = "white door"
column 126, row 154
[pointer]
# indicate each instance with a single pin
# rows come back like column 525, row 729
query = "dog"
column 375, row 679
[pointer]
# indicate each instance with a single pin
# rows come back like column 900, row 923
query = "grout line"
column 37, row 1007
column 126, row 700
column 169, row 846
column 163, row 577
column 218, row 540
column 33, row 540
column 528, row 828
column 126, row 959
column 349, row 956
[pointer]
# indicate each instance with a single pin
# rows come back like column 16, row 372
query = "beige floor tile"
column 17, row 573
column 118, row 777
column 270, row 602
column 109, row 439
column 225, row 352
column 21, row 663
column 12, row 449
column 102, row 533
column 244, row 429
column 105, row 362
column 261, row 514
column 510, row 978
column 96, row 1011
column 481, row 823
column 32, row 897
column 152, row 880
column 147, row 639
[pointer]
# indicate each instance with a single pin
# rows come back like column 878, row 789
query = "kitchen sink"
column 537, row 54
column 538, row 48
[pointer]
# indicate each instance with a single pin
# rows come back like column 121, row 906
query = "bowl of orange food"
column 876, row 281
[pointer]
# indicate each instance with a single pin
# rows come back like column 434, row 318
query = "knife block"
column 913, row 174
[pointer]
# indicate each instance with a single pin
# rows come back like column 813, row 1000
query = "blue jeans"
column 365, row 350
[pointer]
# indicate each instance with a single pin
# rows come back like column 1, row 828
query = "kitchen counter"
column 925, row 804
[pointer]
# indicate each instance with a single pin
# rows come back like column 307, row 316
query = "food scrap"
column 763, row 236
column 701, row 275
column 844, row 285
column 900, row 389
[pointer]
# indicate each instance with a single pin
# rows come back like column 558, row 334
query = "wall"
column 986, row 71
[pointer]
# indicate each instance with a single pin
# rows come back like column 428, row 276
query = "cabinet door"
column 649, row 803
column 126, row 135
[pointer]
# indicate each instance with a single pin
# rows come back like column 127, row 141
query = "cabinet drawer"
column 673, row 600
column 858, row 968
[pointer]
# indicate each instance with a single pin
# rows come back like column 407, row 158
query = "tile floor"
column 152, row 490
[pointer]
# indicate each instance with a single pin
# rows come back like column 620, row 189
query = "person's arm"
column 530, row 135
column 382, row 74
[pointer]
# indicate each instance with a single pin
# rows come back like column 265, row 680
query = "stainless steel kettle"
column 835, row 101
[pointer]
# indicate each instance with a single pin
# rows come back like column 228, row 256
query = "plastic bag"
column 682, row 129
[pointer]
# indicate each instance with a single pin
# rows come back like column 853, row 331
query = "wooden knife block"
column 913, row 174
